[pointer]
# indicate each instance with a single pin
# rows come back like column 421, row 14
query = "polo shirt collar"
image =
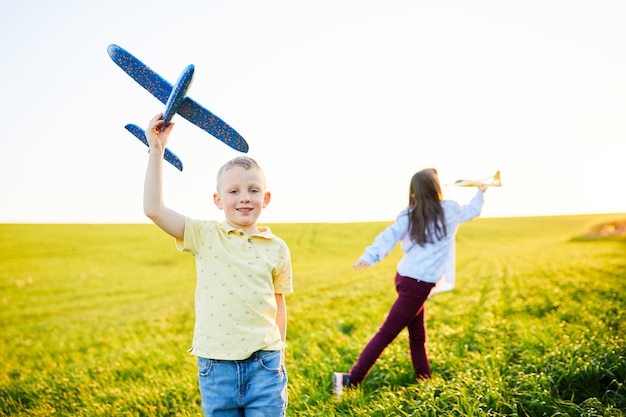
column 264, row 231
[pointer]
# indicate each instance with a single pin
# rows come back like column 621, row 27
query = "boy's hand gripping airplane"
column 173, row 96
column 493, row 181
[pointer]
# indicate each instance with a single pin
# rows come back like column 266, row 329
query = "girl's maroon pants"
column 407, row 311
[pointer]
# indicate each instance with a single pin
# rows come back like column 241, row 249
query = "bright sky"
column 340, row 102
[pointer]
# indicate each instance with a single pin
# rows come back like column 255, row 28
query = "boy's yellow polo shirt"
column 237, row 279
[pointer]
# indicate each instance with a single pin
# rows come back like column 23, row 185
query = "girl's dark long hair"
column 427, row 221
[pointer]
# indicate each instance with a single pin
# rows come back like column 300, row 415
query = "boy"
column 243, row 272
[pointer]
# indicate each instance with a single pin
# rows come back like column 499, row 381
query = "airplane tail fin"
column 496, row 180
column 141, row 135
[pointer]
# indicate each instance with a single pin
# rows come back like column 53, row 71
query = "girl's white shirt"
column 434, row 262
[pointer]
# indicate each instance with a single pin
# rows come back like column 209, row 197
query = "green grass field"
column 96, row 321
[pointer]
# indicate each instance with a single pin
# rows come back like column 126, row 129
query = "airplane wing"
column 141, row 73
column 169, row 155
column 189, row 109
column 212, row 124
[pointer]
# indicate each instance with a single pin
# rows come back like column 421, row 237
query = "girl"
column 426, row 230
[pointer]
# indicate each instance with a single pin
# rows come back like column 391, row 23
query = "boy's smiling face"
column 241, row 194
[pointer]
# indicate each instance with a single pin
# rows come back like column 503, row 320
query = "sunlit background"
column 340, row 102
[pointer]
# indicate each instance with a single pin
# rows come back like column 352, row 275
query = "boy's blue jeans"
column 253, row 387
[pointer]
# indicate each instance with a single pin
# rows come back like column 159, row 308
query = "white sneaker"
column 340, row 381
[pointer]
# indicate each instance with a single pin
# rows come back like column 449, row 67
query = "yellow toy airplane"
column 493, row 181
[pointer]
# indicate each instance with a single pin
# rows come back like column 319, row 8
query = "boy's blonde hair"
column 240, row 161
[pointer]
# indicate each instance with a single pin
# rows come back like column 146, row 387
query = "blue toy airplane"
column 175, row 100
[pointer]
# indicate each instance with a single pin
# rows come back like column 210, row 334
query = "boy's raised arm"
column 167, row 219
